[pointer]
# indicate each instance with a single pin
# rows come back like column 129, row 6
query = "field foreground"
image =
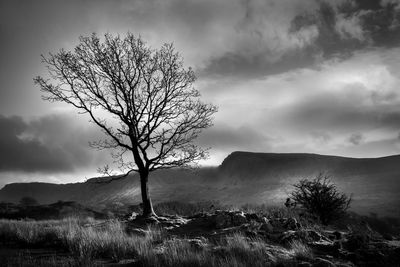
column 277, row 237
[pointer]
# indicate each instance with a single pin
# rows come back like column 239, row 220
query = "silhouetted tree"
column 320, row 197
column 28, row 201
column 142, row 99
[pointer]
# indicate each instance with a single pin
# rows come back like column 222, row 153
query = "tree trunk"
column 146, row 200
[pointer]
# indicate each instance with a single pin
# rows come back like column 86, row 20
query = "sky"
column 309, row 76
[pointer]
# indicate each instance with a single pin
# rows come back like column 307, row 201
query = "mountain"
column 243, row 177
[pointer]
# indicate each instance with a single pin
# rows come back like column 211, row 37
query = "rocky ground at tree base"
column 328, row 246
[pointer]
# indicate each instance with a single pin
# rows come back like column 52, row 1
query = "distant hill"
column 243, row 177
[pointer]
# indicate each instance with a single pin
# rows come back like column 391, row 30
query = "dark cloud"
column 356, row 139
column 332, row 29
column 352, row 25
column 20, row 154
column 332, row 40
column 47, row 144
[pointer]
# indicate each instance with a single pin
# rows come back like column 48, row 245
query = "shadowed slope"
column 243, row 177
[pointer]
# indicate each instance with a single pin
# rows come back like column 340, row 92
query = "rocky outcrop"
column 330, row 248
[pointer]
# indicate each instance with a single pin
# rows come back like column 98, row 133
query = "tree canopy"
column 142, row 99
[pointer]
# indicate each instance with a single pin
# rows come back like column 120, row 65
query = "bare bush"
column 321, row 198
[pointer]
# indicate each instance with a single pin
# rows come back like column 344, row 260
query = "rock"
column 278, row 224
column 356, row 241
column 308, row 236
column 252, row 216
column 320, row 262
column 292, row 224
column 324, row 247
column 133, row 216
column 238, row 218
column 223, row 220
column 266, row 226
column 198, row 243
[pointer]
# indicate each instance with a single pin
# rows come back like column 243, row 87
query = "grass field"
column 94, row 243
column 88, row 242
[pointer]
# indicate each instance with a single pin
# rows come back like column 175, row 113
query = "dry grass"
column 108, row 240
column 300, row 250
column 85, row 242
column 88, row 241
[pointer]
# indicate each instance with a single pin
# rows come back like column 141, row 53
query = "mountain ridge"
column 242, row 177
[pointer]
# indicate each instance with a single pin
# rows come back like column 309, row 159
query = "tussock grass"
column 234, row 250
column 85, row 242
column 29, row 233
column 300, row 250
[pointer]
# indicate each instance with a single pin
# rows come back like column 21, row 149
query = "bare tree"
column 142, row 99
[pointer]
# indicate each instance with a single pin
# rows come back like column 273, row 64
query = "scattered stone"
column 252, row 217
column 266, row 226
column 223, row 220
column 238, row 218
column 292, row 224
column 324, row 247
column 133, row 216
column 334, row 248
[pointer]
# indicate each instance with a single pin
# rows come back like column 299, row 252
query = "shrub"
column 321, row 198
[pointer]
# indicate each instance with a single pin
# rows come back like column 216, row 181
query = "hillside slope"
column 243, row 177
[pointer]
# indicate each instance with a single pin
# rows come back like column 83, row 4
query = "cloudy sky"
column 288, row 76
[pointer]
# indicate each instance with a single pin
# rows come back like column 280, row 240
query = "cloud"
column 228, row 138
column 26, row 155
column 356, row 139
column 235, row 38
column 49, row 144
column 317, row 110
column 350, row 27
column 302, row 75
column 275, row 37
column 320, row 137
